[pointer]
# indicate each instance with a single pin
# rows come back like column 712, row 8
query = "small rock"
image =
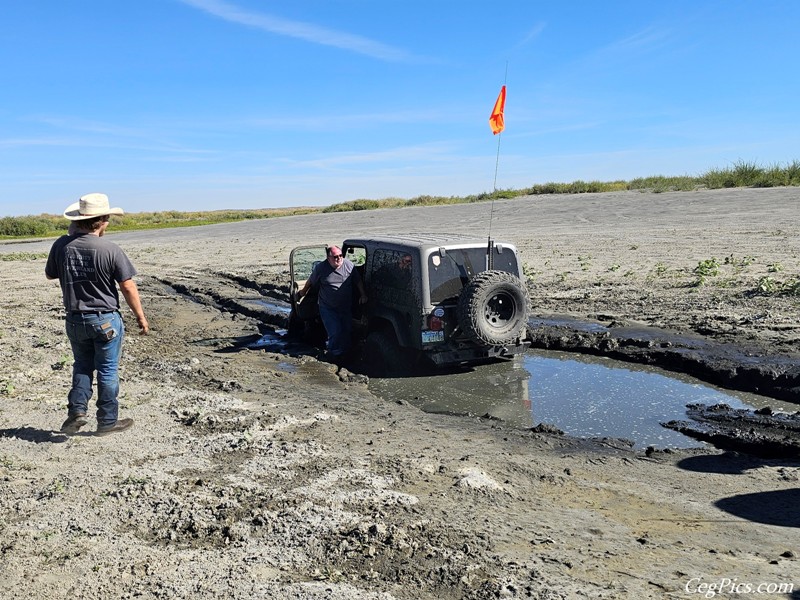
column 346, row 376
column 547, row 428
column 228, row 386
column 477, row 479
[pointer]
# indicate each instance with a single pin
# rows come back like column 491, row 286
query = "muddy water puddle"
column 583, row 396
column 269, row 305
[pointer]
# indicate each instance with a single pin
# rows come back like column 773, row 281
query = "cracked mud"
column 265, row 473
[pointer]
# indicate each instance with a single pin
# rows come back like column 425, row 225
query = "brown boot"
column 120, row 425
column 74, row 423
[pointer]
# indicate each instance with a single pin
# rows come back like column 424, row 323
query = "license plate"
column 429, row 337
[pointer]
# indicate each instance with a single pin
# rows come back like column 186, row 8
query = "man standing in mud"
column 89, row 269
column 336, row 278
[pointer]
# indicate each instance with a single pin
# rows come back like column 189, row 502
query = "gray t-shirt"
column 335, row 285
column 88, row 268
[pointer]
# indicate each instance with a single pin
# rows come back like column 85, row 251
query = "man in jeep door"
column 336, row 277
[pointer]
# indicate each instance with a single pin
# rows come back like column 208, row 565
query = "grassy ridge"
column 53, row 225
column 741, row 174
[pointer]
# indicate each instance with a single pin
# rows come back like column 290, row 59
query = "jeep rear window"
column 392, row 269
column 448, row 274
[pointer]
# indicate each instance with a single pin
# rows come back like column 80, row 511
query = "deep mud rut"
column 259, row 474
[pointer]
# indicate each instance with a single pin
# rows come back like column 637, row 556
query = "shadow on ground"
column 32, row 434
column 781, row 507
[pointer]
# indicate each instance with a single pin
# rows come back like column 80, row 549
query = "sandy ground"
column 250, row 474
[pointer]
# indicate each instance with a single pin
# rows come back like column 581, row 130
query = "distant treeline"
column 54, row 225
column 741, row 174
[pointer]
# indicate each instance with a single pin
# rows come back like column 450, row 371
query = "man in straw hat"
column 89, row 269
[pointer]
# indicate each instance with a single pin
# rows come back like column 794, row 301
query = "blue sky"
column 212, row 104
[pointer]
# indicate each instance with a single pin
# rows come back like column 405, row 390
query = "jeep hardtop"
column 446, row 299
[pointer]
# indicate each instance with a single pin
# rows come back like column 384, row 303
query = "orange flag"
column 496, row 121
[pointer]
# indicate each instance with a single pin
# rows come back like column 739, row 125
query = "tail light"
column 435, row 323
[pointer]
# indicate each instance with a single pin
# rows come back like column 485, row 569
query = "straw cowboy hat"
column 89, row 207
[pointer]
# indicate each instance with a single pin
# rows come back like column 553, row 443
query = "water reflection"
column 587, row 398
column 498, row 391
column 581, row 395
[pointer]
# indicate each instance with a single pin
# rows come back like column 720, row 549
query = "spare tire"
column 493, row 308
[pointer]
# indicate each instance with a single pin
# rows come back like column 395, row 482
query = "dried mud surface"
column 259, row 474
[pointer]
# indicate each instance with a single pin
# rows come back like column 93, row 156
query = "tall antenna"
column 497, row 123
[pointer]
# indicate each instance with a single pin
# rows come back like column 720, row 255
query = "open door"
column 304, row 318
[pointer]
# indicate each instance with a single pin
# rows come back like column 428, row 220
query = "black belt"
column 92, row 312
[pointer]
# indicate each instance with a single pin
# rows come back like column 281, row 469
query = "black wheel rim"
column 499, row 310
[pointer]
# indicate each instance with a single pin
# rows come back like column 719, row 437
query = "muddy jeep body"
column 460, row 300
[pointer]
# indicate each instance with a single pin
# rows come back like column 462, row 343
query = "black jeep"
column 447, row 300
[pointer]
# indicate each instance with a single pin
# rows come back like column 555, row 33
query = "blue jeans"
column 338, row 325
column 96, row 341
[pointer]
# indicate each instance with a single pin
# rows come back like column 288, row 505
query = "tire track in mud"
column 233, row 298
column 258, row 478
column 720, row 364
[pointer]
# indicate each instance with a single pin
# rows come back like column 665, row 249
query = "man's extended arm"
column 131, row 293
column 304, row 291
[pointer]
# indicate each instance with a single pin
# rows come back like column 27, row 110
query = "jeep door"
column 302, row 261
column 392, row 281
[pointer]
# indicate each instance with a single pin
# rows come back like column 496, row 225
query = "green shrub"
column 31, row 226
column 707, row 268
column 791, row 173
column 659, row 184
column 768, row 286
column 748, row 174
column 352, row 205
column 22, row 256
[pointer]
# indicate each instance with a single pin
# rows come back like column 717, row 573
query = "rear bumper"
column 474, row 354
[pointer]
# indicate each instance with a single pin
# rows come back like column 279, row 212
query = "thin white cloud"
column 345, row 121
column 156, row 132
column 87, row 142
column 627, row 52
column 645, row 40
column 534, row 33
column 300, row 30
column 97, row 134
column 413, row 154
column 88, row 126
column 27, row 142
column 566, row 128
